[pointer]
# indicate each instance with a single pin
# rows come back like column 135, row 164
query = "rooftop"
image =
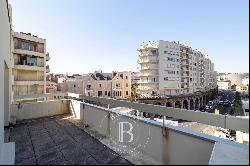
column 56, row 141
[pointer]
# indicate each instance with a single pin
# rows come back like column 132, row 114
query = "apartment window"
column 177, row 72
column 165, row 78
column 177, row 60
column 126, row 92
column 126, row 77
column 89, row 86
column 105, row 93
column 117, row 84
column 100, row 85
column 32, row 61
column 165, row 52
column 99, row 93
column 171, row 72
column 154, row 52
column 26, row 46
column 109, row 93
column 126, row 84
column 74, row 85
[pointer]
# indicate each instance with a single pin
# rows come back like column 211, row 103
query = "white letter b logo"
column 121, row 131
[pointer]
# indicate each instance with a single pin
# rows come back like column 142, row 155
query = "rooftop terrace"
column 56, row 141
column 92, row 134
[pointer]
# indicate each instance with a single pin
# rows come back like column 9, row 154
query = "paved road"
column 223, row 102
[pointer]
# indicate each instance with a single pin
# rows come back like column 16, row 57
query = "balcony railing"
column 153, row 60
column 149, row 74
column 149, row 67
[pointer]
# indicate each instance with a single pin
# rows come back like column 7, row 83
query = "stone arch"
column 196, row 104
column 177, row 104
column 210, row 96
column 191, row 104
column 169, row 104
column 185, row 104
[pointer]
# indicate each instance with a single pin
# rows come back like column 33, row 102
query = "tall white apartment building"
column 170, row 68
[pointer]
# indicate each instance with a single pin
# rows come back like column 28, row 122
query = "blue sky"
column 87, row 35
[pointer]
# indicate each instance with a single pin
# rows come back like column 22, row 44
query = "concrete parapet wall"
column 170, row 148
column 39, row 109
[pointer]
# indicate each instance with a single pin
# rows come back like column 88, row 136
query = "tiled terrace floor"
column 57, row 141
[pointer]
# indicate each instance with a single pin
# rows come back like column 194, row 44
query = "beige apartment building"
column 170, row 68
column 224, row 85
column 235, row 78
column 29, row 68
column 116, row 84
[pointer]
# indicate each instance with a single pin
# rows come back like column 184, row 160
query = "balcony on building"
column 184, row 57
column 149, row 81
column 149, row 74
column 149, row 52
column 47, row 57
column 184, row 80
column 26, row 47
column 185, row 68
column 77, row 129
column 148, row 87
column 47, row 69
column 184, row 63
column 149, row 67
column 184, row 74
column 29, row 63
column 28, row 82
column 148, row 60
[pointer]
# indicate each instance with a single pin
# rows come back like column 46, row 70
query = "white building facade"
column 170, row 68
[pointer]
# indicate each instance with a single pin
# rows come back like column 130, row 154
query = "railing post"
column 109, row 126
column 164, row 129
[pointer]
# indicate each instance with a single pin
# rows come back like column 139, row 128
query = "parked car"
column 208, row 107
column 221, row 102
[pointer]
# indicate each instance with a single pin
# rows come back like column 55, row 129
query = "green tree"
column 233, row 87
column 134, row 87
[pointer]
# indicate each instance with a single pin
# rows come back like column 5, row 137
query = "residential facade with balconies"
column 29, row 68
column 170, row 68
